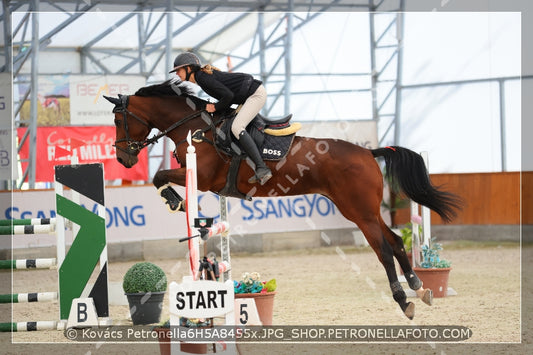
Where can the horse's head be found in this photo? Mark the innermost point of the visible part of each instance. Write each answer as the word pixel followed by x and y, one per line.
pixel 170 107
pixel 131 131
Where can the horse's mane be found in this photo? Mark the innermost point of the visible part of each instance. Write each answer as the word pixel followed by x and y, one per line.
pixel 168 88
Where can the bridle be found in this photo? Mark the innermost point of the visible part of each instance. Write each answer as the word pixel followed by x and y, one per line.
pixel 133 146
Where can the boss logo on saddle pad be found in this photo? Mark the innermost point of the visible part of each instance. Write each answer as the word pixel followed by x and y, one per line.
pixel 276 147
pixel 275 152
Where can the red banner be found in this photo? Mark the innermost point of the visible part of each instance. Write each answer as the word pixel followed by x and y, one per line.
pixel 92 144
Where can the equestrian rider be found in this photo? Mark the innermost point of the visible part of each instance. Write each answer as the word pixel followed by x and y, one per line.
pixel 229 88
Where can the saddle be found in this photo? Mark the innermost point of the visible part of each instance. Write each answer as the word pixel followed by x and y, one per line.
pixel 273 139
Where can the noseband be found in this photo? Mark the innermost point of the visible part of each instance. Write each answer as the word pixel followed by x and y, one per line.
pixel 134 147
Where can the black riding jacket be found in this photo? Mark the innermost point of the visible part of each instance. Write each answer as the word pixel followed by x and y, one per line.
pixel 228 88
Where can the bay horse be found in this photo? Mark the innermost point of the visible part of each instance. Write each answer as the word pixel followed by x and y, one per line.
pixel 345 173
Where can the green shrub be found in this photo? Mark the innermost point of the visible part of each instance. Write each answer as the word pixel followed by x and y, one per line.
pixel 144 277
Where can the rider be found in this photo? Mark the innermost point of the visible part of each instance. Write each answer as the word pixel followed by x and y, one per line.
pixel 229 88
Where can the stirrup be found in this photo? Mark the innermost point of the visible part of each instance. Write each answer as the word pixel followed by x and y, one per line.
pixel 262 178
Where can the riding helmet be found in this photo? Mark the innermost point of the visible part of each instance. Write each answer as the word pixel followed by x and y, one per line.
pixel 185 59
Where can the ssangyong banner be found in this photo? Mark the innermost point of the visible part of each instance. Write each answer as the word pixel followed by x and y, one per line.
pixel 55 146
pixel 137 213
pixel 87 106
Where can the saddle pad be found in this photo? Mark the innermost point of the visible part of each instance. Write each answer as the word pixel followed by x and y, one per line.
pixel 276 147
pixel 287 130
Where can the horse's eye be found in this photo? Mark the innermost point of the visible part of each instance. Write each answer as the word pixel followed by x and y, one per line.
pixel 117 123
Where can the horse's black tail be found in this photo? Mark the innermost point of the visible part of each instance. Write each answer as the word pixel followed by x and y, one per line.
pixel 406 169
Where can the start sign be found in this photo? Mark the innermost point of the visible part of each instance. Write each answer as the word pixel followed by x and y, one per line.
pixel 201 299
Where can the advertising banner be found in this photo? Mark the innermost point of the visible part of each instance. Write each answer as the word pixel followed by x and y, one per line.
pixel 137 213
pixel 7 141
pixel 87 106
pixel 76 99
pixel 362 133
pixel 55 145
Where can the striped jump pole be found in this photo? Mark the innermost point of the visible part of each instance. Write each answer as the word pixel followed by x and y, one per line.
pixel 28 263
pixel 28 326
pixel 27 229
pixel 222 229
pixel 225 241
pixel 217 229
pixel 27 222
pixel 88 248
pixel 28 297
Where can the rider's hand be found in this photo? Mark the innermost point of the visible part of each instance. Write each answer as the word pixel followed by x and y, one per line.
pixel 210 108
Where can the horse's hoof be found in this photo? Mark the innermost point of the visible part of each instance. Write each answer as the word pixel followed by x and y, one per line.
pixel 410 310
pixel 427 297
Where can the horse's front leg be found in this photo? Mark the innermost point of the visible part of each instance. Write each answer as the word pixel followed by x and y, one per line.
pixel 162 180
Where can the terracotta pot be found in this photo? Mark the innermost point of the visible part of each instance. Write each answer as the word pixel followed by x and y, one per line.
pixel 436 279
pixel 164 344
pixel 193 348
pixel 164 340
pixel 264 303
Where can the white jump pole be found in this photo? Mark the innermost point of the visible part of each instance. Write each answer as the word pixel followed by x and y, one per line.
pixel 191 198
pixel 426 212
pixel 417 217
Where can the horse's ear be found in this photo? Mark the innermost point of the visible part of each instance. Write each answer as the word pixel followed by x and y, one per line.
pixel 113 100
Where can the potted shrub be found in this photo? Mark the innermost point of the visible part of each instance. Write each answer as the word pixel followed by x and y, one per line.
pixel 407 238
pixel 263 292
pixel 144 285
pixel 434 271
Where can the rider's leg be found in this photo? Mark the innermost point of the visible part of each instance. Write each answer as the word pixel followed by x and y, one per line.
pixel 248 111
pixel 262 172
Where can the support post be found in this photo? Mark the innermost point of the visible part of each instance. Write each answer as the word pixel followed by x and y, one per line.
pixel 225 238
pixel 191 198
pixel 426 212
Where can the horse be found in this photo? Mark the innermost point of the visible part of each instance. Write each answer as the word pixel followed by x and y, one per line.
pixel 347 174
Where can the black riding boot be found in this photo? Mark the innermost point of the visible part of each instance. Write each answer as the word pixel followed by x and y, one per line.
pixel 262 172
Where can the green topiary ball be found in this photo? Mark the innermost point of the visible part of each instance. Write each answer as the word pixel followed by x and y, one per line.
pixel 144 277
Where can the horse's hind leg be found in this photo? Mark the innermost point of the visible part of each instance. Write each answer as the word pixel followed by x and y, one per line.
pixel 426 295
pixel 361 205
pixel 372 231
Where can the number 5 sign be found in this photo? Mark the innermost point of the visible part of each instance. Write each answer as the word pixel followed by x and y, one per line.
pixel 246 312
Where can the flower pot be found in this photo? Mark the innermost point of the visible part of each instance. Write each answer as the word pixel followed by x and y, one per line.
pixel 264 303
pixel 145 308
pixel 165 341
pixel 193 348
pixel 436 279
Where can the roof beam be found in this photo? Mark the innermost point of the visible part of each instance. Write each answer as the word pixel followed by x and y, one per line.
pixel 281 38
pixel 109 30
pixel 161 44
pixel 21 58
